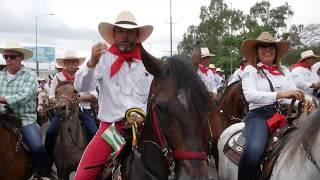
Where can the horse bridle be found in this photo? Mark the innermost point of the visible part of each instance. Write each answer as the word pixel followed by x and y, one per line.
pixel 71 101
pixel 169 154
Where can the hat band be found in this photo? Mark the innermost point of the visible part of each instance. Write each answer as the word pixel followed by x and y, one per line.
pixel 126 22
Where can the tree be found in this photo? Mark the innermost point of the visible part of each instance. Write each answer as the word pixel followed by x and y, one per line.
pixel 222 29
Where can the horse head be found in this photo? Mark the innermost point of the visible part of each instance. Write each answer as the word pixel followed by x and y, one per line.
pixel 177 117
pixel 67 98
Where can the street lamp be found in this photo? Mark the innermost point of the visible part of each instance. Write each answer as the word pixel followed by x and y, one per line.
pixel 37 62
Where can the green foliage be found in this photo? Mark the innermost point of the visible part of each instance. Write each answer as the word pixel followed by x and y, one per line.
pixel 223 29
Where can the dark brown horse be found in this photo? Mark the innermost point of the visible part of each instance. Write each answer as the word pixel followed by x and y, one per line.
pixel 71 140
pixel 13 157
pixel 173 140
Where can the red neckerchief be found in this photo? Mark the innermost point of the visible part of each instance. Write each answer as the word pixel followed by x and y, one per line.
pixel 67 75
pixel 203 69
pixel 122 57
pixel 300 64
pixel 272 69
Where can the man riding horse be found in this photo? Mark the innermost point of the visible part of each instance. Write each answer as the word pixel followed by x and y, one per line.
pixel 122 80
pixel 70 63
pixel 18 90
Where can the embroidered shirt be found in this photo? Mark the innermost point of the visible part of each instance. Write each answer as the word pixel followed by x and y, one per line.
pixel 303 78
pixel 128 88
pixel 256 88
pixel 20 92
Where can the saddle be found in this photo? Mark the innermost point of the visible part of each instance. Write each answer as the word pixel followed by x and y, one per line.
pixel 234 147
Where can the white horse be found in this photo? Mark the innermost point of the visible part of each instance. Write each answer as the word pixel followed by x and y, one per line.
pixel 299 159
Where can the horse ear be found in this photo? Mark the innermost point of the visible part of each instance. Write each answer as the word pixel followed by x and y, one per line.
pixel 152 64
pixel 196 54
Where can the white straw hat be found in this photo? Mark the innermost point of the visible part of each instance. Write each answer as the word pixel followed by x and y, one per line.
pixel 124 20
pixel 307 54
pixel 14 46
pixel 206 53
pixel 69 55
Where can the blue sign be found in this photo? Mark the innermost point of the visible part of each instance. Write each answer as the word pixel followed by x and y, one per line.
pixel 45 54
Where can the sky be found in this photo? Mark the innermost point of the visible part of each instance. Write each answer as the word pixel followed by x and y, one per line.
pixel 74 23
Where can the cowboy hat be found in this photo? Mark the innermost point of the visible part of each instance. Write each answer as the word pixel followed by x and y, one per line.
pixel 124 20
pixel 212 66
pixel 219 70
pixel 206 53
pixel 307 54
pixel 248 46
pixel 69 55
pixel 14 46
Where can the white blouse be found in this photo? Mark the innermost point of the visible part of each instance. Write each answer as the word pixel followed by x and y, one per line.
pixel 209 80
pixel 256 88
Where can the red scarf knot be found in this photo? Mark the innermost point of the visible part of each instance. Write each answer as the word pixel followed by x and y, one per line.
pixel 300 64
pixel 67 75
pixel 203 69
pixel 122 57
pixel 274 69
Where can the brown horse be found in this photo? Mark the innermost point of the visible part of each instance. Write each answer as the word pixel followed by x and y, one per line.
pixel 14 159
pixel 71 140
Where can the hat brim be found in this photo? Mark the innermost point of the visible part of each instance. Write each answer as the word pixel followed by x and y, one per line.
pixel 315 56
pixel 61 64
pixel 208 55
pixel 27 53
pixel 248 47
pixel 106 31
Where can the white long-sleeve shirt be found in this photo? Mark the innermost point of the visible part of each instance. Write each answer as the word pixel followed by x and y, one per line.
pixel 303 78
pixel 209 80
pixel 54 84
pixel 236 76
pixel 256 88
pixel 128 88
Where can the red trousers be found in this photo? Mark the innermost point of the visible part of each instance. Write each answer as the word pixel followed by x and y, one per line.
pixel 96 153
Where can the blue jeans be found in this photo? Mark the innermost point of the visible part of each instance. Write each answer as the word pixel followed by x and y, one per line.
pixel 52 132
pixel 31 135
pixel 256 132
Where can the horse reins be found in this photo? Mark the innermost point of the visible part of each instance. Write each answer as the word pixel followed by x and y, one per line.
pixel 72 101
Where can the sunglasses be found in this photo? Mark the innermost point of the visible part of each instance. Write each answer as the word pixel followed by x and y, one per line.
pixel 267 45
pixel 13 56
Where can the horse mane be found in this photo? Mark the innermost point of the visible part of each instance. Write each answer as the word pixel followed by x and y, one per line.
pixel 180 69
pixel 306 134
pixel 9 121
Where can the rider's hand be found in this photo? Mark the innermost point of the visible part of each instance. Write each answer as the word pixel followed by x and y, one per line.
pixel 3 100
pixel 297 94
pixel 308 105
pixel 97 50
pixel 134 118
